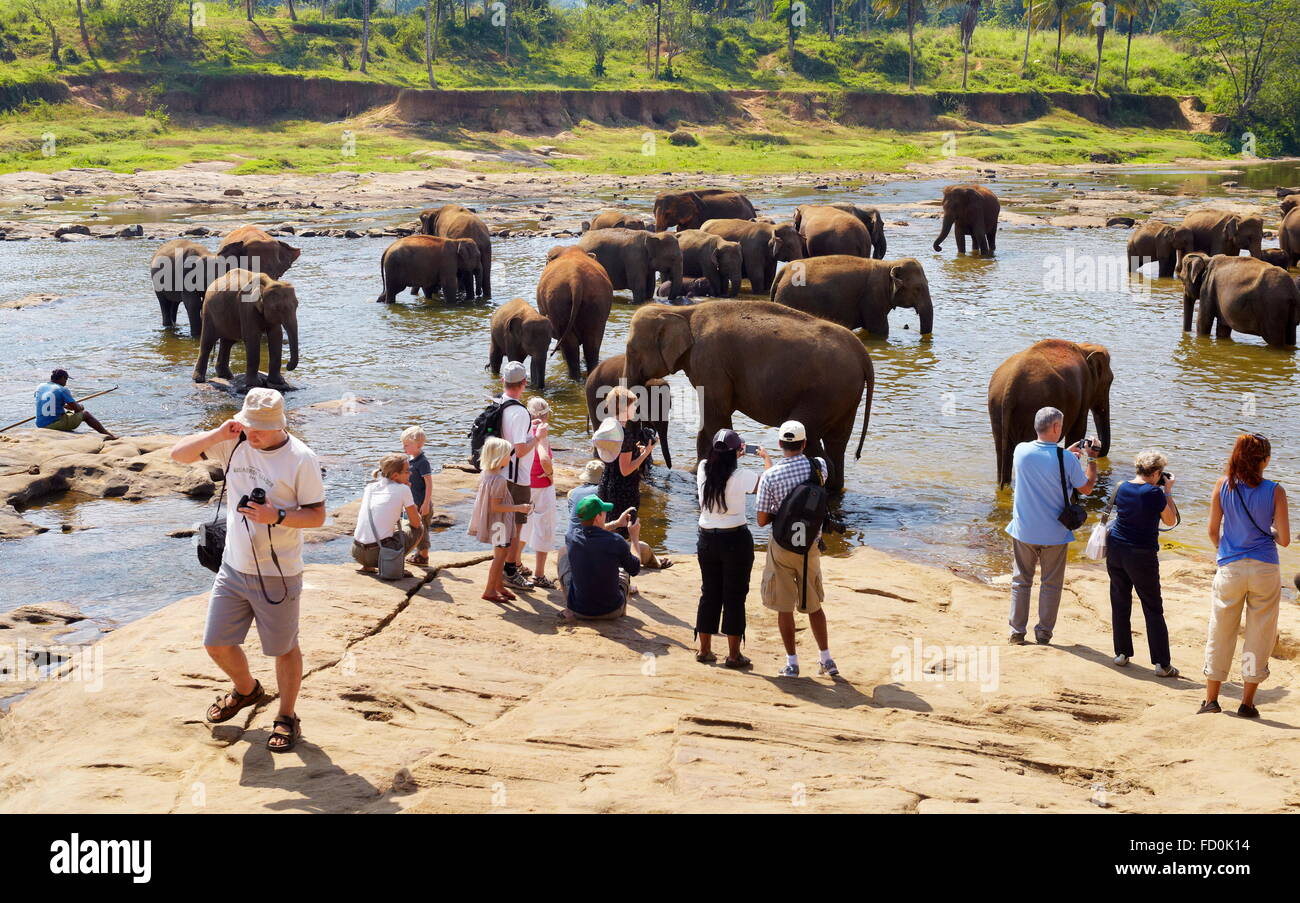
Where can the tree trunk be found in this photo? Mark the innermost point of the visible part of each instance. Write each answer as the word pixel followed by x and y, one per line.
pixel 911 44
pixel 248 5
pixel 365 33
pixel 1060 36
pixel 1155 14
pixel 81 23
pixel 659 11
pixel 506 10
pixel 293 13
pixel 1128 49
pixel 56 46
pixel 1029 29
pixel 1101 37
pixel 428 39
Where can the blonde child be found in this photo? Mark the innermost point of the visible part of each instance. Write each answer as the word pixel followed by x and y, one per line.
pixel 493 518
pixel 539 532
pixel 413 440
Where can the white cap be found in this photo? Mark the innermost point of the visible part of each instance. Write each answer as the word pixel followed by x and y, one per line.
pixel 513 372
pixel 263 410
pixel 792 431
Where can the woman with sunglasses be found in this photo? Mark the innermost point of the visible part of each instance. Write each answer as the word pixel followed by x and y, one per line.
pixel 1248 521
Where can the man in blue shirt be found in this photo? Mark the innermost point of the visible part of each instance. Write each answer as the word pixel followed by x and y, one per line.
pixel 590 485
pixel 56 409
pixel 598 565
pixel 1038 538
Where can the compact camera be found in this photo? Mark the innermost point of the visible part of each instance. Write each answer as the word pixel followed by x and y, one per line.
pixel 1165 476
pixel 257 495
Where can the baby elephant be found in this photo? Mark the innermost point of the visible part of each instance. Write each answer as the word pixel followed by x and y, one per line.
pixel 1276 256
pixel 245 306
pixel 691 288
pixel 518 331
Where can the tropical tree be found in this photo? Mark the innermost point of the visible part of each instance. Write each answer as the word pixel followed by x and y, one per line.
pixel 969 19
pixel 1063 12
pixel 365 33
pixel 1251 38
pixel 593 31
pixel 915 11
pixel 1029 30
pixel 1100 15
pixel 428 38
pixel 81 24
pixel 794 13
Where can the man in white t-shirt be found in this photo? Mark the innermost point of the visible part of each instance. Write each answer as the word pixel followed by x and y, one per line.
pixel 517 429
pixel 261 570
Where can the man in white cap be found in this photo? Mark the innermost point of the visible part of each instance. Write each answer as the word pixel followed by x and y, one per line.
pixel 261 570
pixel 784 584
pixel 517 429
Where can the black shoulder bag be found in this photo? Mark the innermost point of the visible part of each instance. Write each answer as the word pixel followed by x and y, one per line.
pixel 210 538
pixel 1074 515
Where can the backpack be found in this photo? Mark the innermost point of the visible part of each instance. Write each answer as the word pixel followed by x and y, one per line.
pixel 798 522
pixel 486 425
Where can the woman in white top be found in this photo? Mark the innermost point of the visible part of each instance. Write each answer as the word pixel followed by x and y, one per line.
pixel 383 504
pixel 726 547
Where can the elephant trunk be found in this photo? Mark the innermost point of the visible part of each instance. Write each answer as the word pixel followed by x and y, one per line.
pixel 538 377
pixel 291 329
pixel 947 227
pixel 878 243
pixel 1101 419
pixel 675 276
pixel 925 310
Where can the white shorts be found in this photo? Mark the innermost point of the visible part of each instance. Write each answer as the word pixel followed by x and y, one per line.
pixel 539 532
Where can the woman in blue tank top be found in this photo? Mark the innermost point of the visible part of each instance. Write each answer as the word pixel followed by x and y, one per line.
pixel 1248 521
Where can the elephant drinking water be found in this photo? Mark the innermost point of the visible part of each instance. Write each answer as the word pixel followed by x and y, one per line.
pixel 1242 294
pixel 856 292
pixel 518 331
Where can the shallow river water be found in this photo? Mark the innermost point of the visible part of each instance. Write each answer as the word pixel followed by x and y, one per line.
pixel 924 487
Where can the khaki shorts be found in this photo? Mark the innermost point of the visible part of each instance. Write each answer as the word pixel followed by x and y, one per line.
pixel 68 422
pixel 783 577
pixel 237 600
pixel 520 494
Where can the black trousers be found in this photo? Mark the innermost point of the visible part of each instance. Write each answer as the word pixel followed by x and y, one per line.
pixel 1138 569
pixel 726 561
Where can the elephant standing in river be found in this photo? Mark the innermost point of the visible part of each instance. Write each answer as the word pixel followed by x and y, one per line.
pixel 690 209
pixel 841 229
pixel 426 262
pixel 762 245
pixel 1217 232
pixel 813 371
pixel 1073 378
pixel 1157 241
pixel 973 210
pixel 631 258
pixel 517 332
pixel 575 294
pixel 713 258
pixel 1242 294
pixel 654 401
pixel 455 221
pixel 1288 236
pixel 245 306
pixel 250 248
pixel 181 271
pixel 856 292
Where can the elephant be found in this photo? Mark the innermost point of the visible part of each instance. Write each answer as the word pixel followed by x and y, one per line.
pixel 974 210
pixel 1288 236
pixel 632 257
pixel 181 271
pixel 761 246
pixel 426 262
pixel 1285 192
pixel 248 247
pixel 575 294
pixel 243 305
pixel 1217 232
pixel 1289 203
pixel 856 292
pixel 455 221
pixel 841 229
pixel 613 219
pixel 690 209
pixel 1244 294
pixel 1157 241
pixel 1074 378
pixel 691 288
pixel 813 371
pixel 518 331
pixel 1276 256
pixel 714 258
pixel 654 398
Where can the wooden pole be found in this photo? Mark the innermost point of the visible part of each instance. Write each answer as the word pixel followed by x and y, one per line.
pixel 33 417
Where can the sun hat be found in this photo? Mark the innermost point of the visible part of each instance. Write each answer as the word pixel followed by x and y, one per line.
pixel 792 431
pixel 726 440
pixel 513 372
pixel 263 410
pixel 608 439
pixel 593 472
pixel 592 505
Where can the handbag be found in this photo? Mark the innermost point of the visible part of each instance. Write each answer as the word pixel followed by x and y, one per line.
pixel 1097 540
pixel 1074 515
pixel 210 537
pixel 391 551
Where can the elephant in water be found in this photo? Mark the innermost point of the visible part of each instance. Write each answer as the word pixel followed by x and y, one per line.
pixel 181 271
pixel 654 401
pixel 1217 232
pixel 518 331
pixel 427 262
pixel 691 209
pixel 1288 236
pixel 712 258
pixel 631 257
pixel 454 221
pixel 762 246
pixel 813 371
pixel 1154 240
pixel 245 306
pixel 575 294
pixel 856 292
pixel 841 229
pixel 613 219
pixel 1242 294
pixel 973 210
pixel 1073 378
pixel 250 248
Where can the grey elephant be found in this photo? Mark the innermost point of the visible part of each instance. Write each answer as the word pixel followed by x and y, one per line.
pixel 429 263
pixel 632 257
pixel 251 248
pixel 856 292
pixel 973 211
pixel 613 219
pixel 713 258
pixel 1154 240
pixel 1219 232
pixel 841 229
pixel 1241 294
pixel 518 331
pixel 181 271
pixel 246 306
pixel 762 245
pixel 453 221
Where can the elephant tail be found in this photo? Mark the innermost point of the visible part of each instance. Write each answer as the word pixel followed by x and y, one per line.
pixel 866 413
pixel 1002 439
pixel 568 327
pixel 383 272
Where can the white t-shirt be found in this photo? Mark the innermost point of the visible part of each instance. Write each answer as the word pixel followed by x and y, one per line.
pixel 387 499
pixel 517 427
pixel 742 482
pixel 291 477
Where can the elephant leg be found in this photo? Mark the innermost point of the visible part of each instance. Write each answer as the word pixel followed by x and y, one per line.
pixel 570 351
pixel 223 358
pixel 274 343
pixel 834 449
pixel 716 415
pixel 637 280
pixel 961 240
pixel 485 275
pixel 252 356
pixel 495 356
pixel 1222 329
pixel 1188 306
pixel 1205 317
pixel 992 237
pixel 591 349
pixel 168 309
pixel 194 310
pixel 206 342
pixel 1077 430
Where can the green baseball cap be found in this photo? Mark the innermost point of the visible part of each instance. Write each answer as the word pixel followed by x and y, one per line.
pixel 589 507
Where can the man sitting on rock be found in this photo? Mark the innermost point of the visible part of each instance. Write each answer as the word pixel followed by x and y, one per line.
pixel 598 565
pixel 56 409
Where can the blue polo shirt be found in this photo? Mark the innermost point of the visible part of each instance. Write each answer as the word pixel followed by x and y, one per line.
pixel 1037 495
pixel 595 556
pixel 50 401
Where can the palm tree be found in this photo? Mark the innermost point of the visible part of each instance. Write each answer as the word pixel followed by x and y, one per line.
pixel 915 10
pixel 365 33
pixel 1132 8
pixel 1099 20
pixel 428 38
pixel 1063 11
pixel 969 20
pixel 1029 29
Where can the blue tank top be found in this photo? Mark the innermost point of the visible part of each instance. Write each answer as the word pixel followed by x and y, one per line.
pixel 1240 538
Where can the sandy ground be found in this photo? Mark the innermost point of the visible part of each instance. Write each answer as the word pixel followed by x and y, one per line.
pixel 419 696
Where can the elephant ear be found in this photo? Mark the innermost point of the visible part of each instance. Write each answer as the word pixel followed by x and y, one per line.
pixel 1230 228
pixel 428 221
pixel 288 254
pixel 233 249
pixel 896 274
pixel 1192 269
pixel 556 252
pixel 798 217
pixel 465 252
pixel 675 339
pixel 1097 357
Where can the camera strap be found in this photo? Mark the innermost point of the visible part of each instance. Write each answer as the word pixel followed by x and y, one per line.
pixel 275 558
pixel 225 476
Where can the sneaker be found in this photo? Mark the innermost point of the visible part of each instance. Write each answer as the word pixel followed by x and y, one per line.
pixel 1166 671
pixel 1247 711
pixel 788 671
pixel 1043 639
pixel 1121 660
pixel 1016 639
pixel 828 667
pixel 518 581
pixel 1209 708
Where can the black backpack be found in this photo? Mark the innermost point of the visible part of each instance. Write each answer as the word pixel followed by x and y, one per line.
pixel 798 522
pixel 486 425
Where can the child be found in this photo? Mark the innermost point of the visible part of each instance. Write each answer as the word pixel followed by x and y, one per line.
pixel 413 440
pixel 539 532
pixel 493 518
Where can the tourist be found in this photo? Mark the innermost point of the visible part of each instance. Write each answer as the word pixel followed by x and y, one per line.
pixel 792 580
pixel 621 484
pixel 1133 560
pixel 592 471
pixel 725 547
pixel 56 409
pixel 379 519
pixel 413 440
pixel 1248 521
pixel 539 532
pixel 258 453
pixel 518 429
pixel 494 519
pixel 598 565
pixel 1038 538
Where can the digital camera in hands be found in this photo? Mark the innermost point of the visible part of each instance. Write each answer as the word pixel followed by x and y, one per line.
pixel 257 495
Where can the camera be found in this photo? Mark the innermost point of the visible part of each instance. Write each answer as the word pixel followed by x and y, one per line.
pixel 751 448
pixel 257 495
pixel 648 435
pixel 1166 476
pixel 1087 444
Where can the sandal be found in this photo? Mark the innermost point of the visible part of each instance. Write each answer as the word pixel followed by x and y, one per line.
pixel 544 582
pixel 419 560
pixel 705 658
pixel 221 710
pixel 493 597
pixel 506 595
pixel 665 563
pixel 286 738
pixel 739 663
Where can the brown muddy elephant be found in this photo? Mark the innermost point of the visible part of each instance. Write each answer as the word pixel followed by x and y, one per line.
pixel 690 209
pixel 813 371
pixel 614 219
pixel 455 221
pixel 1073 378
pixel 973 210
pixel 632 257
pixel 426 262
pixel 841 229
pixel 713 258
pixel 856 292
pixel 654 400
pixel 762 245
pixel 248 247
pixel 1289 203
pixel 1275 256
pixel 1157 241
pixel 245 306
pixel 698 287
pixel 1218 232
pixel 575 294
pixel 518 331
pixel 1288 237
pixel 1243 294
pixel 181 271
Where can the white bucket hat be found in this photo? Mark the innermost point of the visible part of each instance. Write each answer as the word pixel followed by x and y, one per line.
pixel 608 439
pixel 263 410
